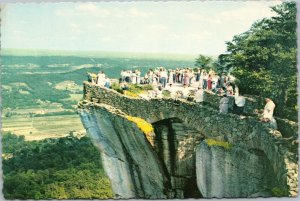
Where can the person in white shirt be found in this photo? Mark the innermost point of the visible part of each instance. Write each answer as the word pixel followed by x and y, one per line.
pixel 101 79
pixel 171 75
pixel 133 77
pixel 138 76
pixel 267 115
pixel 268 110
pixel 199 95
pixel 239 101
pixel 163 77
pixel 185 91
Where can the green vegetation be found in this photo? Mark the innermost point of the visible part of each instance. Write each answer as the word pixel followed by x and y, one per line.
pixel 263 59
pixel 166 94
pixel 63 168
pixel 213 142
pixel 133 89
pixel 203 62
pixel 278 192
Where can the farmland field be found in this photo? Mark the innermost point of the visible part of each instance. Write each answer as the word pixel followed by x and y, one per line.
pixel 38 128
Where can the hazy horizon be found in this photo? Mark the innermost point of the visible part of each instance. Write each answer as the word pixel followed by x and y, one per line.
pixel 98 53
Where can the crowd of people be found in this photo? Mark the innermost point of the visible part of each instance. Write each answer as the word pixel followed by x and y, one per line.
pixel 186 76
pixel 184 83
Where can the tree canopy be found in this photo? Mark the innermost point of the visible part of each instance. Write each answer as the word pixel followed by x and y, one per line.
pixel 63 168
pixel 203 61
pixel 263 59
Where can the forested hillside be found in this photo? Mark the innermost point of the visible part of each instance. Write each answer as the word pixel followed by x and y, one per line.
pixel 63 168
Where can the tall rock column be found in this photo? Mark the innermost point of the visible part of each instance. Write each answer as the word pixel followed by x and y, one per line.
pixel 129 160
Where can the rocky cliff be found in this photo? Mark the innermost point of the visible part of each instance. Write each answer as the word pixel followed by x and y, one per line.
pixel 161 149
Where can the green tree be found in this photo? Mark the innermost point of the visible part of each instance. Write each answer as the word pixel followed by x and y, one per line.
pixel 264 58
pixel 203 61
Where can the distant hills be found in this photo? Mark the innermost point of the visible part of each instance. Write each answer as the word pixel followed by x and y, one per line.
pixel 99 54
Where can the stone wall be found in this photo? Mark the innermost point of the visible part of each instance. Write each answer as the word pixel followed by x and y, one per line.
pixel 176 155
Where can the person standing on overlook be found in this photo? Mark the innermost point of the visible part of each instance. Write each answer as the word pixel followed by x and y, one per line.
pixel 101 78
pixel 171 75
pixel 199 95
pixel 204 79
pixel 209 79
pixel 186 78
pixel 224 104
pixel 267 115
pixel 163 77
pixel 223 80
pixel 268 110
pixel 239 101
pixel 138 76
pixel 133 77
pixel 198 73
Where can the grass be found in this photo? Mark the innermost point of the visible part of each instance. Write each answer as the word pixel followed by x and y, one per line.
pixel 212 142
pixel 38 128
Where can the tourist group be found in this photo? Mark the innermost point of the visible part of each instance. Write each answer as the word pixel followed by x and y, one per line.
pixel 186 83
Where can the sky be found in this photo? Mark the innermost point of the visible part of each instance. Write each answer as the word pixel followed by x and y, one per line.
pixel 195 27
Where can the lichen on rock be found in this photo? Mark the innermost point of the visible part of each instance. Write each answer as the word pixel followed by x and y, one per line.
pixel 213 142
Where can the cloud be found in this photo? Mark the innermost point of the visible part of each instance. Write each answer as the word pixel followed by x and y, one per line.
pixel 90 8
pixel 83 9
pixel 247 14
pixel 75 28
pixel 99 25
pixel 64 12
pixel 87 7
pixel 158 27
pixel 134 12
pixel 252 11
pixel 202 18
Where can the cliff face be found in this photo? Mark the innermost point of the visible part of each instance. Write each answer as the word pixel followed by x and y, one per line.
pixel 175 159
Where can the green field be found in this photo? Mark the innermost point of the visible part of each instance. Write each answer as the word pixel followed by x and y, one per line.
pixel 38 128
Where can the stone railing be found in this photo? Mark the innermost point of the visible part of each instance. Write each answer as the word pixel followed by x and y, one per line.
pixel 93 92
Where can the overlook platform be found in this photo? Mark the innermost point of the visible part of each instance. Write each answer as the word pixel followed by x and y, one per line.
pixel 192 150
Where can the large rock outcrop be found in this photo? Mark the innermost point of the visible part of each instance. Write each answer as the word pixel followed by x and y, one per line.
pixel 233 172
pixel 174 160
